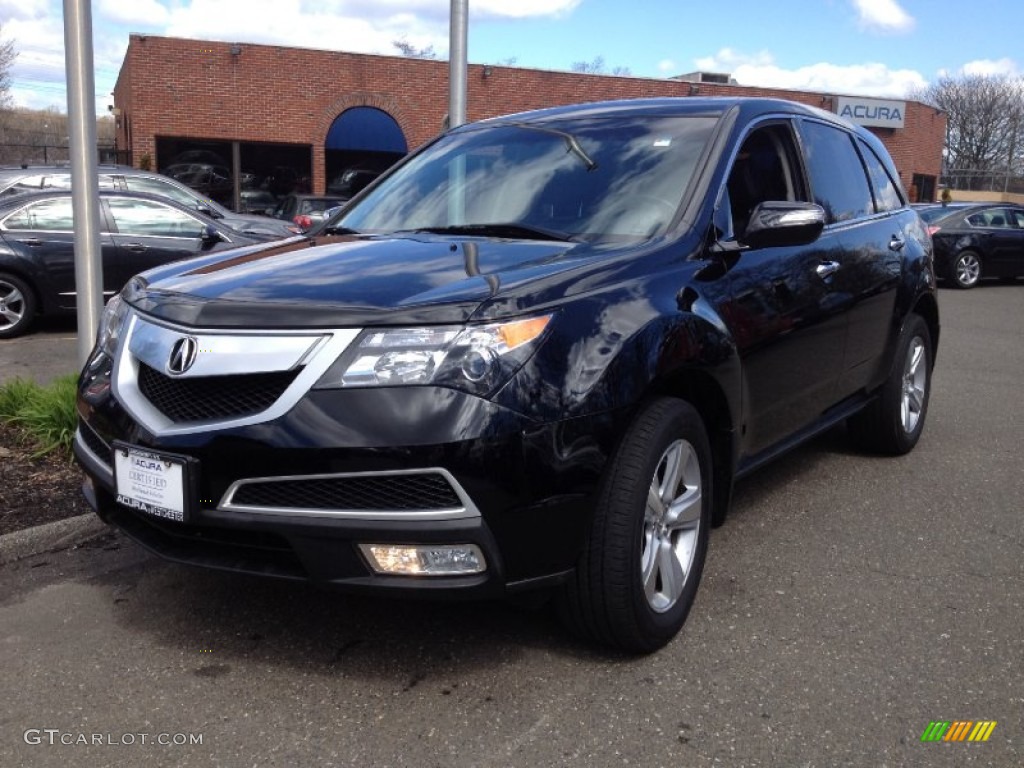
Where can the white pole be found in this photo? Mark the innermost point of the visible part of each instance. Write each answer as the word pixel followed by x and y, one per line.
pixel 85 198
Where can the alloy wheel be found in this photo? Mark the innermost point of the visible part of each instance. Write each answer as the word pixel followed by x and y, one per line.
pixel 672 522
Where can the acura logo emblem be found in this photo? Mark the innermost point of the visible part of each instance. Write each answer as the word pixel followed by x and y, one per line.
pixel 183 354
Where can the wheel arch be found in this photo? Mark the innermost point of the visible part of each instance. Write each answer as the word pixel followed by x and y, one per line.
pixel 29 280
pixel 928 308
pixel 707 396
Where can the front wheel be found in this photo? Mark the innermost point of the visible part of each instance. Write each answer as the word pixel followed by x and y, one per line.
pixel 639 572
pixel 893 423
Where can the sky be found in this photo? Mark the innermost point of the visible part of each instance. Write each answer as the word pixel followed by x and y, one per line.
pixel 879 48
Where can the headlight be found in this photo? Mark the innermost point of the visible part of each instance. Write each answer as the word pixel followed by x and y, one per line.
pixel 475 359
pixel 110 325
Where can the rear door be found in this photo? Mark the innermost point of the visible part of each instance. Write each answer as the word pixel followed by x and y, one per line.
pixel 44 231
pixel 1006 255
pixel 148 233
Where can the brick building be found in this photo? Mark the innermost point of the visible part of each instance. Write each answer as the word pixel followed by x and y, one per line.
pixel 305 116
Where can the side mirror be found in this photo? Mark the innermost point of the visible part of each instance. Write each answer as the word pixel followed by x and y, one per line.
pixel 781 223
pixel 211 236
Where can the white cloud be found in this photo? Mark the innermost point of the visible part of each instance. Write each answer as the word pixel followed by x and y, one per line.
pixel 988 67
pixel 21 9
pixel 883 16
pixel 667 66
pixel 760 69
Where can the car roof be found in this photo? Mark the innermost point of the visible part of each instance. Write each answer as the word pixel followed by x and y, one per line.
pixel 49 194
pixel 668 106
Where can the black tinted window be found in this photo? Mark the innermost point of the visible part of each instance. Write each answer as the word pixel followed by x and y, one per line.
pixel 887 196
pixel 837 175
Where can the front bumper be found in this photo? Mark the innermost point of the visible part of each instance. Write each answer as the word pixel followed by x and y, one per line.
pixel 520 491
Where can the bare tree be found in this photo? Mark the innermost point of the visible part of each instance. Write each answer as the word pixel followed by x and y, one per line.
pixel 408 49
pixel 985 118
pixel 8 53
pixel 596 66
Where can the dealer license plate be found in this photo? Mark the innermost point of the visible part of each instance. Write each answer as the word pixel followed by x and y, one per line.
pixel 150 482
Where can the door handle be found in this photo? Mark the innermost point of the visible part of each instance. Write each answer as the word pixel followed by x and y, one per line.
pixel 897 243
pixel 827 269
pixel 31 241
pixel 135 247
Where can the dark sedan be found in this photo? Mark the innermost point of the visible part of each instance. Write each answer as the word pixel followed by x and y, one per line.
pixel 37 241
pixel 979 241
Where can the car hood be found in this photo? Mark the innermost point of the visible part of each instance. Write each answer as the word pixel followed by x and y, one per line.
pixel 362 280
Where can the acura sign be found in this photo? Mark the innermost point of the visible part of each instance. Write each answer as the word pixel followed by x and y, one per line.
pixel 876 113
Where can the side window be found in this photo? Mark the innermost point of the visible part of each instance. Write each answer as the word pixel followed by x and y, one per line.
pixel 887 196
pixel 1018 218
pixel 46 215
pixel 161 188
pixel 63 181
pixel 764 170
pixel 837 175
pixel 26 184
pixel 144 217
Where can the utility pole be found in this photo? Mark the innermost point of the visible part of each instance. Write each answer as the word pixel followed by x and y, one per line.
pixel 457 66
pixel 85 193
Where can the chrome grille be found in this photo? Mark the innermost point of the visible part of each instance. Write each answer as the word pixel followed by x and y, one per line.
pixel 399 492
pixel 210 398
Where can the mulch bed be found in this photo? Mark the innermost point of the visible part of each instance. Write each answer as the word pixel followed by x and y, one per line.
pixel 39 490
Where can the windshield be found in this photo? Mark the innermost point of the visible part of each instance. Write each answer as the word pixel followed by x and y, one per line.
pixel 586 179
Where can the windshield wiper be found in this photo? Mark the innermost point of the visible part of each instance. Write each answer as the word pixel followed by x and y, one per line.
pixel 498 229
pixel 338 230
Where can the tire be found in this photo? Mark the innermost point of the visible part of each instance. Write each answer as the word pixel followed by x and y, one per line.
pixel 894 422
pixel 17 306
pixel 644 552
pixel 966 269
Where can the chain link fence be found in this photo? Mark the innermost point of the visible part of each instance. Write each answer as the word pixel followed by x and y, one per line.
pixel 974 180
pixel 54 154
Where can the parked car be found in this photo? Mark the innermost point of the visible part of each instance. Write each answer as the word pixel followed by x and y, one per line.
pixel 15 181
pixel 138 231
pixel 350 183
pixel 977 241
pixel 535 356
pixel 211 181
pixel 304 211
pixel 258 201
pixel 929 212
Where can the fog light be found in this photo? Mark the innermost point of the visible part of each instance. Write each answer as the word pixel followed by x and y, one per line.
pixel 425 560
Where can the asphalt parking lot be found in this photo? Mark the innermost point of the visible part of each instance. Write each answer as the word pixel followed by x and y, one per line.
pixel 848 602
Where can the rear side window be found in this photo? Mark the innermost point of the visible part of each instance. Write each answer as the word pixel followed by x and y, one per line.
pixel 887 196
pixel 161 188
pixel 836 172
pixel 46 215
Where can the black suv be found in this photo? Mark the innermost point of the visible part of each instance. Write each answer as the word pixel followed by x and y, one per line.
pixel 536 355
pixel 18 180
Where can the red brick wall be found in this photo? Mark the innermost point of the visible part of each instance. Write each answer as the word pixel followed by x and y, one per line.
pixel 194 89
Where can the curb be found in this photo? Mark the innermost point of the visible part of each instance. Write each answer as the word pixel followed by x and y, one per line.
pixel 50 537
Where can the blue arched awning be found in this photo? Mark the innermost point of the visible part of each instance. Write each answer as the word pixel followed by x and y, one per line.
pixel 366 129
